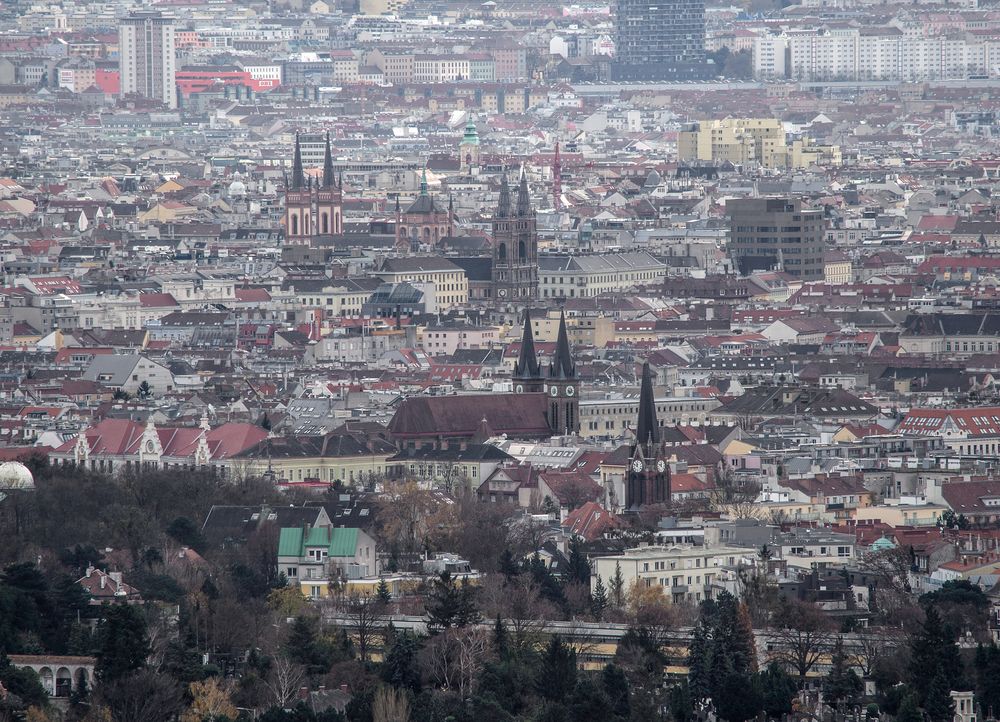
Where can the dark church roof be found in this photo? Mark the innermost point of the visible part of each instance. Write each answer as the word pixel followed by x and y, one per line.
pixel 517 415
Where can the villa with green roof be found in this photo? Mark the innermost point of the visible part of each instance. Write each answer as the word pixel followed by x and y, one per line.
pixel 316 557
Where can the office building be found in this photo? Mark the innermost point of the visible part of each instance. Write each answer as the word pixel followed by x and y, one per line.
pixel 768 233
pixel 147 58
pixel 659 40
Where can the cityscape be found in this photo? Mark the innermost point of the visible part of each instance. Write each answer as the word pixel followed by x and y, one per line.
pixel 502 361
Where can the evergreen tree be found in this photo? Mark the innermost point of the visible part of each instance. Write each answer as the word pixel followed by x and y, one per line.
pixel 616 688
pixel 908 710
pixel 508 565
pixel 501 643
pixel 681 706
pixel 777 691
pixel 699 661
pixel 450 605
pixel 579 568
pixel 124 644
pixel 988 678
pixel 382 591
pixel 617 587
pixel 557 673
pixel 399 666
pixel 842 686
pixel 737 698
pixel 599 600
pixel 938 704
pixel 930 647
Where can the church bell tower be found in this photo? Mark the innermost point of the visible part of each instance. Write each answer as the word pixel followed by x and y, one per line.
pixel 563 386
pixel 647 478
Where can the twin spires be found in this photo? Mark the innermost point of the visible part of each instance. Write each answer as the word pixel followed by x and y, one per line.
pixel 523 207
pixel 299 180
pixel 647 433
pixel 561 366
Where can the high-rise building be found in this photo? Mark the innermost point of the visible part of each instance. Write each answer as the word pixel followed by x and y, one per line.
pixel 147 57
pixel 768 233
pixel 659 40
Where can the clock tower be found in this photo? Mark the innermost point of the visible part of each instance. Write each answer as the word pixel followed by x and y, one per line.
pixel 563 386
pixel 527 376
pixel 648 474
pixel 515 246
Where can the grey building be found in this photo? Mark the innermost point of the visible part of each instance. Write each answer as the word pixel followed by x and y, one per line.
pixel 768 233
pixel 659 40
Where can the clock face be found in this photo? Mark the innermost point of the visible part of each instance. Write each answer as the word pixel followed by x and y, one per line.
pixel 661 465
pixel 570 391
pixel 149 446
pixel 519 389
pixel 637 466
pixel 502 292
pixel 554 391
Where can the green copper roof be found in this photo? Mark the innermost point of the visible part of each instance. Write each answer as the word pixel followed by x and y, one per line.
pixel 471 134
pixel 338 542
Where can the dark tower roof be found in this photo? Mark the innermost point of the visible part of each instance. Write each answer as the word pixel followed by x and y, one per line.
pixel 562 366
pixel 329 181
pixel 503 204
pixel 523 199
pixel 527 362
pixel 647 433
pixel 298 176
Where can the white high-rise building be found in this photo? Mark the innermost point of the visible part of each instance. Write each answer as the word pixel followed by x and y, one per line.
pixel 147 57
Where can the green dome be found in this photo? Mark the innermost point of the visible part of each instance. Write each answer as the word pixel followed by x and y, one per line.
pixel 471 134
pixel 881 544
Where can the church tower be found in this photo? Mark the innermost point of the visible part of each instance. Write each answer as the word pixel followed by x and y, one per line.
pixel 330 198
pixel 298 203
pixel 468 149
pixel 647 478
pixel 563 386
pixel 515 245
pixel 527 375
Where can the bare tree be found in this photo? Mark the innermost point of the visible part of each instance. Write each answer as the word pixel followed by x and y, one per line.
pixel 805 635
pixel 454 658
pixel 870 647
pixel 367 619
pixel 893 598
pixel 284 680
pixel 390 705
pixel 144 696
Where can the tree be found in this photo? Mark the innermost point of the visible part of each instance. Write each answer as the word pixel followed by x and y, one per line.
pixel 842 686
pixel 265 422
pixel 599 600
pixel 449 604
pixel 123 644
pixel 617 587
pixel 737 698
pixel 184 531
pixel 399 665
pixel 121 395
pixel 209 701
pixel 578 571
pixel 804 637
pixel 382 592
pixel 938 704
pixel 908 711
pixel 142 696
pixel 777 690
pixel 21 682
pixel 933 647
pixel 616 688
pixel 145 390
pixel 557 671
pixel 367 615
pixel 987 663
pixel 284 680
pixel 390 705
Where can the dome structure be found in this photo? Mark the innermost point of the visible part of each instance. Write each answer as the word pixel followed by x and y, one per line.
pixel 15 476
pixel 237 189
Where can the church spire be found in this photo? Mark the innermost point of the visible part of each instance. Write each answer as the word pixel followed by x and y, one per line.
pixel 423 182
pixel 523 199
pixel 503 204
pixel 647 433
pixel 298 176
pixel 562 366
pixel 329 181
pixel 527 362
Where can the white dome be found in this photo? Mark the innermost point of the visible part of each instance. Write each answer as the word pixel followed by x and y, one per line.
pixel 237 189
pixel 15 476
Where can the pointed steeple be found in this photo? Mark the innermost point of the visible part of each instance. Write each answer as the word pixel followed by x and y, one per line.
pixel 562 366
pixel 527 361
pixel 298 176
pixel 328 177
pixel 503 204
pixel 423 182
pixel 523 199
pixel 647 433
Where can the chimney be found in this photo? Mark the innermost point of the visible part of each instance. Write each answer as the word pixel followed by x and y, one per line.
pixel 344 688
pixel 104 581
pixel 303 693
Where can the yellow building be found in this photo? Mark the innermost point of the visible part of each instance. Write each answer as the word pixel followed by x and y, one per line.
pixel 451 285
pixel 750 140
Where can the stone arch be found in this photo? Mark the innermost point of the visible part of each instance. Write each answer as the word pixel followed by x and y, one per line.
pixel 502 253
pixel 295 224
pixel 48 680
pixel 64 682
pixel 81 678
pixel 522 251
pixel 427 234
pixel 324 222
